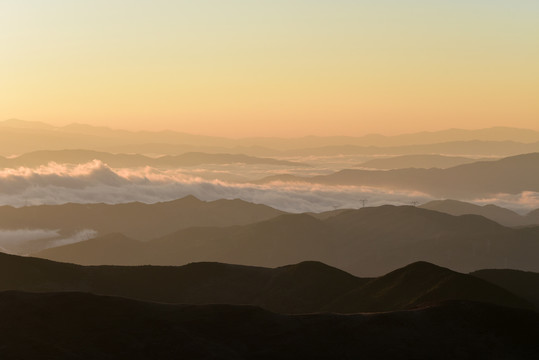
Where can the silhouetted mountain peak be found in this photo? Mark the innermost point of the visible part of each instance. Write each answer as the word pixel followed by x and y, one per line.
pixel 316 269
pixel 418 269
pixel 189 199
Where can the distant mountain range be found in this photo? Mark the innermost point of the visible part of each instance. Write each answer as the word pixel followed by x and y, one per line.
pixel 508 175
pixel 496 213
pixel 17 136
pixel 301 288
pixel 137 220
pixel 90 327
pixel 43 157
pixel 368 241
pixel 416 161
pixel 455 148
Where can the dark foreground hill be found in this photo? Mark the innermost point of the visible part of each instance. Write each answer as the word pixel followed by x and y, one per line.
pixel 521 283
pixel 365 242
pixel 137 220
pixel 78 325
pixel 300 288
pixel 510 175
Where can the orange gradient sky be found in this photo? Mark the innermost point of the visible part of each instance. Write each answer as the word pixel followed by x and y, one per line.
pixel 280 67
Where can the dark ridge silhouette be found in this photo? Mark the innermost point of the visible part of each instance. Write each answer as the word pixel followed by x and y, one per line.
pixel 420 283
pixel 89 326
pixel 77 156
pixel 499 214
pixel 423 161
pixel 365 242
pixel 509 175
pixel 521 283
pixel 137 220
pixel 301 288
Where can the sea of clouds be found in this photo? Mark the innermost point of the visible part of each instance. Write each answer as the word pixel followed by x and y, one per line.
pixel 95 182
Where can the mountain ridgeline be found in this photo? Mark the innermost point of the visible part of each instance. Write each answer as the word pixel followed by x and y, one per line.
pixel 18 137
pixel 301 288
pixel 137 220
pixel 365 242
pixel 510 175
pixel 38 158
pixel 423 161
pixel 499 214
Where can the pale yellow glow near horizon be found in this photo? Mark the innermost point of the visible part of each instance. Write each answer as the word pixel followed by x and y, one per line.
pixel 264 68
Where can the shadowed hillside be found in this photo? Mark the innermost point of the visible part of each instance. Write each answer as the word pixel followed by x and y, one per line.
pixel 420 283
pixel 136 220
pixel 521 283
pixel 367 242
pixel 300 288
pixel 495 213
pixel 305 287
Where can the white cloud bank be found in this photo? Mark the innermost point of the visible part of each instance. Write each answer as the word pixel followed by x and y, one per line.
pixel 26 241
pixel 11 241
pixel 96 182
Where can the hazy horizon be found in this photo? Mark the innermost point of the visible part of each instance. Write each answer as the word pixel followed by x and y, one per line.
pixel 279 68
pixel 29 123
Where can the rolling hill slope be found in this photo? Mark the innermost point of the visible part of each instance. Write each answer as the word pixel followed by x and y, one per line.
pixel 499 214
pixel 301 288
pixel 521 283
pixel 138 220
pixel 366 242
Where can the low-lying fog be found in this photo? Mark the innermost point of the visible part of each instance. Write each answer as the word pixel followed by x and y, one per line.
pixel 96 182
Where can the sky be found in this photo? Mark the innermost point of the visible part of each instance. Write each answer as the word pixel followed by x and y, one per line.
pixel 271 68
